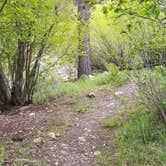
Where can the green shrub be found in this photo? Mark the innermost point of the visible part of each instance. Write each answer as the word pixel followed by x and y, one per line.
pixel 152 90
pixel 114 77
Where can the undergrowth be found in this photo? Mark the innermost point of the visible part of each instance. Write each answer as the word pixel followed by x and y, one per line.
pixel 139 139
pixel 79 87
pixel 138 136
pixel 3 154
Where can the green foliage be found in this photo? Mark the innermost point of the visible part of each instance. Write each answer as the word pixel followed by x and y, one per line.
pixel 19 150
pixel 3 154
pixel 133 33
pixel 114 77
pixel 138 140
pixel 81 108
pixel 79 87
pixel 152 89
pixel 67 89
pixel 116 121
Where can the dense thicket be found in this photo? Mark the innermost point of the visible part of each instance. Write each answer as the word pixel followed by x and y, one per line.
pixel 28 30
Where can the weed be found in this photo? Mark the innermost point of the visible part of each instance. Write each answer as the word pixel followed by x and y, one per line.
pixel 112 122
pixel 140 139
pixel 19 150
pixel 81 108
pixel 3 154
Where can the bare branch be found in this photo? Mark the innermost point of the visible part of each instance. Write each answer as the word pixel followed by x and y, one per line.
pixel 3 6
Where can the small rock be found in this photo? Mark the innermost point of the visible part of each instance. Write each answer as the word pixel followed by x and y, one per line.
pixel 58 135
pixel 93 147
pixel 25 108
pixel 52 136
pixel 55 104
pixel 91 77
pixel 97 153
pixel 104 145
pixel 81 139
pixel 64 145
pixel 50 111
pixel 86 154
pixel 37 140
pixel 91 95
pixel 32 114
pixel 87 130
pixel 105 73
pixel 118 93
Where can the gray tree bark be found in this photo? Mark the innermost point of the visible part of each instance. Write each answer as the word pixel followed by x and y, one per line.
pixel 84 61
pixel 4 90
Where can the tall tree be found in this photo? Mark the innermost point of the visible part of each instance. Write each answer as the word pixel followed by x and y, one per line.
pixel 4 90
pixel 84 62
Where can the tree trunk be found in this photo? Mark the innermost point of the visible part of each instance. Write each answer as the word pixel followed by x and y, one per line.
pixel 84 62
pixel 18 82
pixel 4 91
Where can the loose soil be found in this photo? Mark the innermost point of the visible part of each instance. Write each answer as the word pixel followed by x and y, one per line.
pixel 78 139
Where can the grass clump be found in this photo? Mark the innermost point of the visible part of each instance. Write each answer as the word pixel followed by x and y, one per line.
pixel 81 108
pixel 140 140
pixel 112 122
pixel 3 154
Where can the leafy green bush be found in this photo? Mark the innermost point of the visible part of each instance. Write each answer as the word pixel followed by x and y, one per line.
pixel 114 77
pixel 152 90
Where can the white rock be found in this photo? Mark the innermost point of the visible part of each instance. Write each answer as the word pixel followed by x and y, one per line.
pixel 118 93
pixel 37 140
pixel 32 114
pixel 58 135
pixel 82 139
pixel 52 135
pixel 91 77
pixel 91 95
pixel 111 104
pixel 97 153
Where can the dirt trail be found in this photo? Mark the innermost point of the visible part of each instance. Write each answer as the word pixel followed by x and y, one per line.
pixel 81 143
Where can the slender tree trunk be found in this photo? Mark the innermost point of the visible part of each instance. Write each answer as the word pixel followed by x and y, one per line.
pixel 4 90
pixel 84 62
pixel 18 82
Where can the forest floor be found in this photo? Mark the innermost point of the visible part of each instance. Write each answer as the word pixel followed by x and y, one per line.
pixel 55 133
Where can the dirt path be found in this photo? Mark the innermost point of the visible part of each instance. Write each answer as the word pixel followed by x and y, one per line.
pixel 81 143
pixel 78 143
